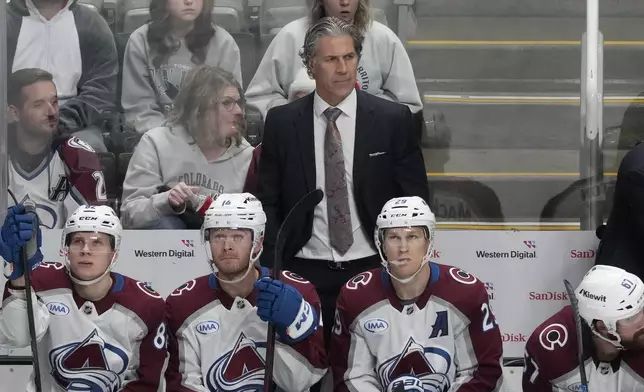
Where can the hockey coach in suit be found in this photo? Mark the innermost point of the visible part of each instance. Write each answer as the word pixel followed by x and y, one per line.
pixel 359 149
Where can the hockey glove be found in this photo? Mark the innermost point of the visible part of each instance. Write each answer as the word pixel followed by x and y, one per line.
pixel 16 232
pixel 281 304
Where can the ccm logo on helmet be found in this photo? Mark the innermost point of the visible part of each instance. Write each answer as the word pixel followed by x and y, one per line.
pixel 553 335
pixel 88 218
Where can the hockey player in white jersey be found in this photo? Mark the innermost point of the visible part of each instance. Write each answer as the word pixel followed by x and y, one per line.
pixel 414 325
pixel 611 304
pixel 97 330
pixel 218 322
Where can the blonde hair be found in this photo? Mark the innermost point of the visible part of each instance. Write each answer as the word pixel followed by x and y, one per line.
pixel 362 18
pixel 197 96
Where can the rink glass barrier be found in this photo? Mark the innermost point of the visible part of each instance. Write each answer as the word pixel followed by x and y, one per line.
pixel 504 136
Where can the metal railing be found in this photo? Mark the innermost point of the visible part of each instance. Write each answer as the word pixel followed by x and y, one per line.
pixel 592 104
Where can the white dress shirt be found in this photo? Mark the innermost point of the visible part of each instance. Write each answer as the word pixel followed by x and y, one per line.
pixel 319 246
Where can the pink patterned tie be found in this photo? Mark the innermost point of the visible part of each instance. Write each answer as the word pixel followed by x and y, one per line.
pixel 337 195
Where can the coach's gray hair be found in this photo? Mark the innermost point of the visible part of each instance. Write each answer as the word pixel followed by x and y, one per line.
pixel 329 26
pixel 362 18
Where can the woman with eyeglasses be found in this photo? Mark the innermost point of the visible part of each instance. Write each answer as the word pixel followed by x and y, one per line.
pixel 201 151
pixel 180 36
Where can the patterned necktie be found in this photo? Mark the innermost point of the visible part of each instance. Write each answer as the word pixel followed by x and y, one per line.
pixel 337 195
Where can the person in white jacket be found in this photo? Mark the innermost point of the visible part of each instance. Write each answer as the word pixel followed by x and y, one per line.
pixel 384 69
pixel 200 150
pixel 159 55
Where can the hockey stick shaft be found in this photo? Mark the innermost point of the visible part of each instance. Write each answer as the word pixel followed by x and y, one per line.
pixel 574 304
pixel 293 219
pixel 28 290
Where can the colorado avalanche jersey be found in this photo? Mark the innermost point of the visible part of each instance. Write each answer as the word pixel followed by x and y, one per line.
pixel 447 337
pixel 218 343
pixel 551 362
pixel 116 344
pixel 67 178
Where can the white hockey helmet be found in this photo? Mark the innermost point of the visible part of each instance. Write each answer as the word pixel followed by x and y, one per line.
pixel 405 212
pixel 235 211
pixel 92 219
pixel 609 294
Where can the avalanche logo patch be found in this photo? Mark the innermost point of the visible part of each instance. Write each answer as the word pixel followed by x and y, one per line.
pixel 429 364
pixel 240 369
pixel 92 365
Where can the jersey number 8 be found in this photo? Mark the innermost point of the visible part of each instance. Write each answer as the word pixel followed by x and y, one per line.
pixel 161 339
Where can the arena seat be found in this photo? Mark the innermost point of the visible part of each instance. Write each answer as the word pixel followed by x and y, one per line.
pixel 276 14
pixel 246 44
pixel 131 14
pixel 96 5
pixel 229 14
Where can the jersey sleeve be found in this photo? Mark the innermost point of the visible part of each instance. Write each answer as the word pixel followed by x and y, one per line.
pixel 533 380
pixel 351 361
pixel 152 352
pixel 184 366
pixel 299 366
pixel 85 175
pixel 478 347
pixel 14 325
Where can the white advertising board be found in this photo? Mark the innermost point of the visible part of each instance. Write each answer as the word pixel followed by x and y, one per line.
pixel 523 271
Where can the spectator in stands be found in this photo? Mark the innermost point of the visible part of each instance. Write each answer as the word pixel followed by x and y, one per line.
pixel 57 172
pixel 74 44
pixel 200 150
pixel 384 68
pixel 159 54
pixel 359 149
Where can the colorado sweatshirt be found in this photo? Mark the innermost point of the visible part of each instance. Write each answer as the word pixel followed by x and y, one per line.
pixel 168 155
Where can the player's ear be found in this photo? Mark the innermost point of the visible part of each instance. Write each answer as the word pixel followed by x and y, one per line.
pixel 12 114
pixel 600 326
pixel 258 246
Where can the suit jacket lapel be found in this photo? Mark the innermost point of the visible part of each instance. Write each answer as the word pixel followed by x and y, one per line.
pixel 364 126
pixel 303 124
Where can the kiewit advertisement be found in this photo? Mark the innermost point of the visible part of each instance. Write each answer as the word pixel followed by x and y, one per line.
pixel 523 272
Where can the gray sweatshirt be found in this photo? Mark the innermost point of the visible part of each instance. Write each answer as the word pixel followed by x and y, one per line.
pixel 384 69
pixel 148 93
pixel 167 156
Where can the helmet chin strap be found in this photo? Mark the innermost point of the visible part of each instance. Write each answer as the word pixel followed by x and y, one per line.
pixel 90 282
pixel 617 344
pixel 406 280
